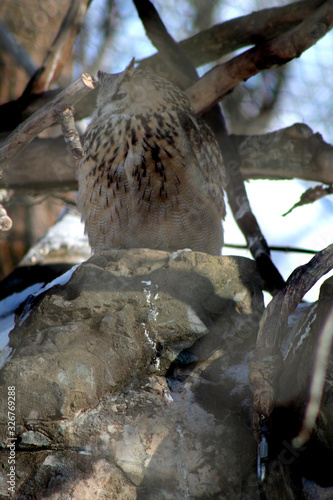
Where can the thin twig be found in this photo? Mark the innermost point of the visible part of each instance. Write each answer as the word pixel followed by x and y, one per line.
pixel 311 195
pixel 274 249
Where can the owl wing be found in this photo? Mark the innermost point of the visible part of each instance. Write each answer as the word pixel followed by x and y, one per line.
pixel 207 156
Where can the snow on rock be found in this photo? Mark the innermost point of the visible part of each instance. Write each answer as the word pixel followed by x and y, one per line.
pixel 65 241
pixel 63 245
pixel 10 304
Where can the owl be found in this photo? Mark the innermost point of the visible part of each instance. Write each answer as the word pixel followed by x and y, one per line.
pixel 151 175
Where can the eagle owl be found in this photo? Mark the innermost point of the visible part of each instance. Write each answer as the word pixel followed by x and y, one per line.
pixel 151 174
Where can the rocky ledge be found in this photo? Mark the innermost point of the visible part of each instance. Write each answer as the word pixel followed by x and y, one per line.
pixel 131 380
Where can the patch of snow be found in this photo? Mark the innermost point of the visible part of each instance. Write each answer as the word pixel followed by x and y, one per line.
pixel 176 254
pixel 150 300
pixel 66 234
pixel 7 318
pixel 150 340
pixel 12 302
pixel 60 280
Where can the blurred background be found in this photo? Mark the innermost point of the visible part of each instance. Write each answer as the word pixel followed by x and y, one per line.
pixel 301 91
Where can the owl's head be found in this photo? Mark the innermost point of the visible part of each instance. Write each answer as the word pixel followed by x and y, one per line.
pixel 129 90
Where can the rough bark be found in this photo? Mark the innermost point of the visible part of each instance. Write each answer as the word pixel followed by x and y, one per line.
pixel 288 153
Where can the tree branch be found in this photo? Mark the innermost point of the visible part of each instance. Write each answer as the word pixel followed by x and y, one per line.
pixel 59 52
pixel 289 153
pixel 176 63
pixel 274 248
pixel 13 113
pixel 45 117
pixel 310 196
pixel 215 84
pixel 221 39
pixel 29 170
pixel 266 360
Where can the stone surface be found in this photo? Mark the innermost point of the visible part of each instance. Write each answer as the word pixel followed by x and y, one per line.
pixel 131 380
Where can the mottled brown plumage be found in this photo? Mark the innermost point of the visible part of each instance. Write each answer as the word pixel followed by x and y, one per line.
pixel 151 174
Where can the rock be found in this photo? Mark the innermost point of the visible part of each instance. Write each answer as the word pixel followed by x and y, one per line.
pixel 131 380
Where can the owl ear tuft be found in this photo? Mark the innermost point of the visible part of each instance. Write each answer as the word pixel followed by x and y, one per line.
pixel 100 74
pixel 128 71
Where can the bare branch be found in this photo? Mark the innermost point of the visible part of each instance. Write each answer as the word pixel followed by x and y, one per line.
pixel 266 360
pixel 215 84
pixel 221 39
pixel 59 52
pixel 176 63
pixel 274 248
pixel 246 220
pixel 13 113
pixel 45 117
pixel 289 153
pixel 30 171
